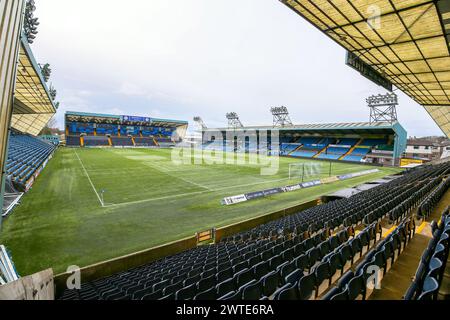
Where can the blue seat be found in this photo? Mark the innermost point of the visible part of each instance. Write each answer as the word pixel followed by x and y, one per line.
pixel 430 289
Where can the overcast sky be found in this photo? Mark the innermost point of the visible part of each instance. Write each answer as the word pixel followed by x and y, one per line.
pixel 183 58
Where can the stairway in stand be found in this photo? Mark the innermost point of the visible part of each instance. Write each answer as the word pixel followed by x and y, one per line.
pixel 321 151
pixel 296 149
pixel 349 152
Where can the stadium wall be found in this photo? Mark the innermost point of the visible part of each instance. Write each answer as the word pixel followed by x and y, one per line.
pixel 38 286
pixel 110 267
pixel 11 16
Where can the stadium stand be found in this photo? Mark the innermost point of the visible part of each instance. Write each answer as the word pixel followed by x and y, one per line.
pixel 309 141
pixel 304 152
pixel 102 130
pixel 296 257
pixel 354 285
pixel 107 129
pixel 357 154
pixel 430 272
pixel 348 141
pixel 373 142
pixel 86 128
pixel 381 143
pixel 96 141
pixel 287 148
pixel 50 139
pixel 122 141
pixel 395 22
pixel 433 198
pixel 334 152
pixel 72 141
pixel 25 156
pixel 162 140
pixel 287 140
pixel 348 149
pixel 144 142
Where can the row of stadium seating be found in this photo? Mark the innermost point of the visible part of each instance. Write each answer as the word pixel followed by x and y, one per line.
pixel 298 256
pixel 144 142
pixel 428 278
pixel 433 198
pixel 348 149
pixel 313 220
pixel 247 147
pixel 77 128
pixel 73 141
pixel 122 141
pixel 104 141
pixel 333 153
pixel 26 155
pixel 348 141
pixel 357 154
pixel 354 285
pixel 421 191
pixel 96 141
pixel 330 148
pixel 304 153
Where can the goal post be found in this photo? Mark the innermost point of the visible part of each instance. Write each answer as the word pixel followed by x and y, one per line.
pixel 296 170
pixel 305 170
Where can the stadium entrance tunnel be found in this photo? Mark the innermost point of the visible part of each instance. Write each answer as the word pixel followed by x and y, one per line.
pixel 330 198
pixel 349 192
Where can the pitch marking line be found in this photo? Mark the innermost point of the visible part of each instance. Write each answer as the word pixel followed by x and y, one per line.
pixel 191 193
pixel 171 175
pixel 178 177
pixel 89 178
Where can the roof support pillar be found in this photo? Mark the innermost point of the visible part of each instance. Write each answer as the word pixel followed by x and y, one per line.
pixel 11 15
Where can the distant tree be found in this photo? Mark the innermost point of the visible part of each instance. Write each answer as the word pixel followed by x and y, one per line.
pixel 51 128
pixel 46 71
pixel 30 22
pixel 52 92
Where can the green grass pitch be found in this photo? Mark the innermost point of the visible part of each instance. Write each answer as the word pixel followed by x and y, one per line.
pixel 148 199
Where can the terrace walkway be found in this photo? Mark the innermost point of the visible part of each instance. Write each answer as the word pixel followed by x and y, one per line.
pixel 399 278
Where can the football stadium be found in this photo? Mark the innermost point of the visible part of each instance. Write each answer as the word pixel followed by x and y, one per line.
pixel 138 207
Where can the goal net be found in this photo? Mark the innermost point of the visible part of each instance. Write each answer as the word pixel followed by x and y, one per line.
pixel 304 171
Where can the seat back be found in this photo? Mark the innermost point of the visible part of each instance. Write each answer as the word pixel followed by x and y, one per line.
pixel 301 262
pixel 243 277
pixel 332 292
pixel 343 295
pixel 269 283
pixel 307 286
pixel 252 291
pixel 322 272
pixel 430 288
pixel 434 267
pixel 294 276
pixel 356 287
pixel 206 283
pixel 224 275
pixel 225 287
pixel 287 292
pixel 209 294
pixel 186 293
